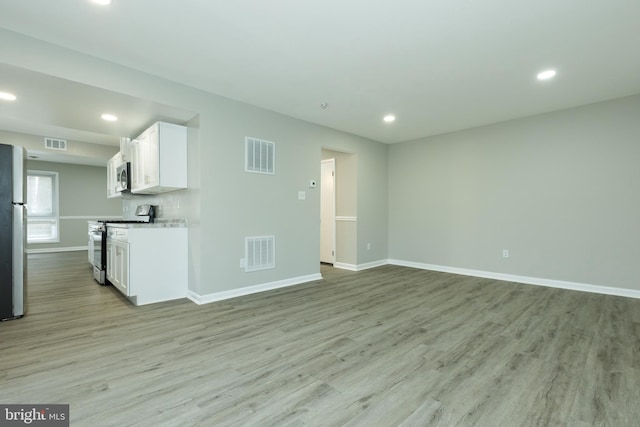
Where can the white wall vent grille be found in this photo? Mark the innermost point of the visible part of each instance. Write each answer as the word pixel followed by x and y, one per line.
pixel 260 156
pixel 55 144
pixel 260 253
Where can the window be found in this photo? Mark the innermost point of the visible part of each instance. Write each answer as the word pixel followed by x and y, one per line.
pixel 42 207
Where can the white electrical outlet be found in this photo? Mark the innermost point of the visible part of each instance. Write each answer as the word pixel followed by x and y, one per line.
pixel 302 195
pixel 505 253
pixel 243 262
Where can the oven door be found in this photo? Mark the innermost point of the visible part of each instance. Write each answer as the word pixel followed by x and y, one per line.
pixel 96 256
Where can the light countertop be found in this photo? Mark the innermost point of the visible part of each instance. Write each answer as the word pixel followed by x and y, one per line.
pixel 158 223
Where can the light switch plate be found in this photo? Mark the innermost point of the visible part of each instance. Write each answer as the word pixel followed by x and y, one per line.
pixel 302 195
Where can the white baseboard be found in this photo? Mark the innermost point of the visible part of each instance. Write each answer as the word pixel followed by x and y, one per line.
pixel 373 264
pixel 360 267
pixel 345 266
pixel 574 286
pixel 220 296
pixel 583 287
pixel 48 250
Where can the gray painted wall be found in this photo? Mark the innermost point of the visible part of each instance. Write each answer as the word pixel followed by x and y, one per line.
pixel 224 204
pixel 238 204
pixel 559 191
pixel 82 193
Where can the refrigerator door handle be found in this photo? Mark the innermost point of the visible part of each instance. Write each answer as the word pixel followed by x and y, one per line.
pixel 19 259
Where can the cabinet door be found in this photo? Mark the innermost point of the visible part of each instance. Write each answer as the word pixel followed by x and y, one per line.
pixel 112 166
pixel 124 268
pixel 138 162
pixel 145 163
pixel 121 267
pixel 133 154
pixel 152 158
pixel 110 260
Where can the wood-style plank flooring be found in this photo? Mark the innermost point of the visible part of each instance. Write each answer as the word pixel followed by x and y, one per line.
pixel 390 346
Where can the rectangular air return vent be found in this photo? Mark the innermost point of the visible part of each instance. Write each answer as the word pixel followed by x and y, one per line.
pixel 55 144
pixel 260 253
pixel 260 156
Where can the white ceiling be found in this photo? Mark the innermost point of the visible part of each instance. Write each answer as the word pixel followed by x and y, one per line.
pixel 438 65
pixel 60 108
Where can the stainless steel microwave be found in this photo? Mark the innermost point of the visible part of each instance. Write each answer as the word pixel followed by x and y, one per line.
pixel 123 178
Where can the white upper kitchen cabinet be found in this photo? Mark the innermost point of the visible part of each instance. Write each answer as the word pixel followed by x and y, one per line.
pixel 112 180
pixel 159 159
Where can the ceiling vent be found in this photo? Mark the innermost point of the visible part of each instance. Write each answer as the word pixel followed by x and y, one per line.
pixel 55 144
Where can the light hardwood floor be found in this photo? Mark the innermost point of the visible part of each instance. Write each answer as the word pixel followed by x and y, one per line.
pixel 390 346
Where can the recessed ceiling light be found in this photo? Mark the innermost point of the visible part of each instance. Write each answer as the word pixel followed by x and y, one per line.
pixel 109 117
pixel 546 75
pixel 389 118
pixel 102 2
pixel 7 96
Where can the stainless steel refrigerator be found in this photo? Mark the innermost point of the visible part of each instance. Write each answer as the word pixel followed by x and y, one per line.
pixel 13 230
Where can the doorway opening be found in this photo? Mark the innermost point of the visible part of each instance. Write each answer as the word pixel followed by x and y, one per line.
pixel 338 203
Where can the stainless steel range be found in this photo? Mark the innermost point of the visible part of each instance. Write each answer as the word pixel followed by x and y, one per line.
pixel 97 231
pixel 97 254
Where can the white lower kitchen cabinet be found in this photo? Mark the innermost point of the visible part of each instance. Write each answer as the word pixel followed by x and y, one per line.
pixel 118 264
pixel 147 264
